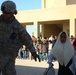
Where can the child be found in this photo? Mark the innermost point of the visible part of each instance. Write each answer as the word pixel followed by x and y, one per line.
pixel 63 51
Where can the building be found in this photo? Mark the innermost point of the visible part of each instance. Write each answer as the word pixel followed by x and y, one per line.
pixel 54 16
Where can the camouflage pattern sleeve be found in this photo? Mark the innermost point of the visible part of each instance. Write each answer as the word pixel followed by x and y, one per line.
pixel 25 38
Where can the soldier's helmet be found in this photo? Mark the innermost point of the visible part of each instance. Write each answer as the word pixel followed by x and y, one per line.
pixel 8 7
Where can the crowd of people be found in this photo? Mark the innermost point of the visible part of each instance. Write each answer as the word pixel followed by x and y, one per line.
pixel 42 46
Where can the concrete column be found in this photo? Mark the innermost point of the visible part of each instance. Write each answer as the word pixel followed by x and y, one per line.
pixel 72 27
pixel 36 29
pixel 42 30
pixel 43 4
pixel 66 27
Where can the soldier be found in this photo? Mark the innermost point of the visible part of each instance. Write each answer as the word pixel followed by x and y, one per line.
pixel 12 36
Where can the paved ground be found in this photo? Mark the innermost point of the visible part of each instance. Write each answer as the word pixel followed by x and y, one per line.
pixel 30 67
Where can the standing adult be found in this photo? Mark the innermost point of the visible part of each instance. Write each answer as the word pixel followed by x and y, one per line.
pixel 12 36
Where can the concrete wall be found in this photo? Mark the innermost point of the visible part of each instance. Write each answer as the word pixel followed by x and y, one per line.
pixel 51 29
pixel 70 2
pixel 50 14
pixel 47 14
pixel 55 3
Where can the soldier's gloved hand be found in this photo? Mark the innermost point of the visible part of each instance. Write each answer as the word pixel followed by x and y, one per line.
pixel 13 36
pixel 35 56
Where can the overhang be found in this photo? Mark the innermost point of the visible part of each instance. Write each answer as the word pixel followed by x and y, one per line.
pixel 47 14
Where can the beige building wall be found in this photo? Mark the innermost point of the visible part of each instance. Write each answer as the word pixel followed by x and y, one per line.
pixel 62 10
pixel 48 14
pixel 56 3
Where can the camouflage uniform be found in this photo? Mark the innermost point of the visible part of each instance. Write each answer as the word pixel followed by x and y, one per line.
pixel 12 36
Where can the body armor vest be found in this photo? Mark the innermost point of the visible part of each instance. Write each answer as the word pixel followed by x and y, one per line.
pixel 9 39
